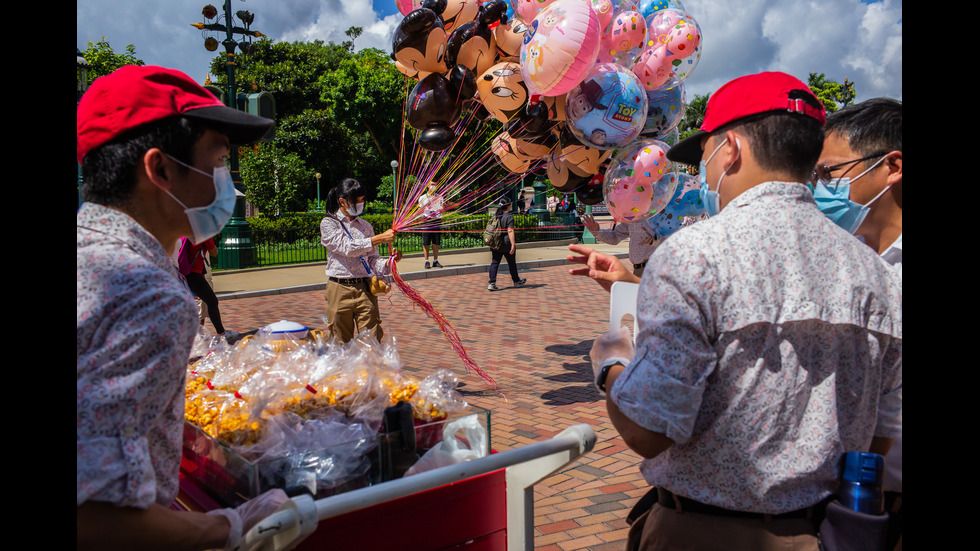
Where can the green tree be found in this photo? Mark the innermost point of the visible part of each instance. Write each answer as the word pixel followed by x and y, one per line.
pixel 693 116
pixel 834 95
pixel 102 59
pixel 273 179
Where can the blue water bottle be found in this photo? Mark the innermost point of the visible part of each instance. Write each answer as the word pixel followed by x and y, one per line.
pixel 860 485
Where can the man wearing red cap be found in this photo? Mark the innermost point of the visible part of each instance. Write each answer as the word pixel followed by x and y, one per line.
pixel 769 339
pixel 152 145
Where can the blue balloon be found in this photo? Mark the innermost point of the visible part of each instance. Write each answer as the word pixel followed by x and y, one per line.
pixel 685 207
pixel 665 110
pixel 608 108
pixel 648 7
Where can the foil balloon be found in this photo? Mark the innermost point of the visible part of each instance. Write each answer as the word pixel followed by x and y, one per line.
pixel 418 45
pixel 406 6
pixel 472 43
pixel 454 12
pixel 673 49
pixel 560 47
pixel 435 104
pixel 608 109
pixel 518 155
pixel 635 187
pixel 685 207
pixel 509 35
pixel 527 10
pixel 573 165
pixel 665 109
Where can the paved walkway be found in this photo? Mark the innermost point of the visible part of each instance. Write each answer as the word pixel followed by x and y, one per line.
pixel 533 340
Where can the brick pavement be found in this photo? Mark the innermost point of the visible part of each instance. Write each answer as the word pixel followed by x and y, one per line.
pixel 534 341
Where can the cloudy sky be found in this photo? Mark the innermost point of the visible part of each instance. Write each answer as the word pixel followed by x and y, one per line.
pixel 857 39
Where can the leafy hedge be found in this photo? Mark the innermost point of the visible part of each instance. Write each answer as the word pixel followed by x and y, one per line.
pixel 306 226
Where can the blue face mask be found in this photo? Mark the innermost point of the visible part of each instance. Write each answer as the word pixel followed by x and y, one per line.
pixel 208 220
pixel 710 199
pixel 833 198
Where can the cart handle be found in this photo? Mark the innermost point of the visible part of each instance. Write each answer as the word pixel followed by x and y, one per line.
pixel 525 467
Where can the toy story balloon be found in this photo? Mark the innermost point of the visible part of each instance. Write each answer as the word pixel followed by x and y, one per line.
pixel 560 47
pixel 665 109
pixel 608 108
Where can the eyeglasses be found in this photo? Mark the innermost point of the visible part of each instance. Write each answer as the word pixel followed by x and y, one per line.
pixel 822 173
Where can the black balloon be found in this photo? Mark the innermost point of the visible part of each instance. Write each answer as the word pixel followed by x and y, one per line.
pixel 435 105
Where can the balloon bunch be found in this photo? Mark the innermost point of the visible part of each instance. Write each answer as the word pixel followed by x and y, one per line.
pixel 591 91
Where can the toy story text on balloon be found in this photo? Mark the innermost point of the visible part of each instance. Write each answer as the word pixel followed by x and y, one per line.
pixel 608 109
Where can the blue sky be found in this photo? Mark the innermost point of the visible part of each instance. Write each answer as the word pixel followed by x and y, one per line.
pixel 856 39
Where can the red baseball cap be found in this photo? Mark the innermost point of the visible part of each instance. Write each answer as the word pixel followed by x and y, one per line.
pixel 745 96
pixel 135 95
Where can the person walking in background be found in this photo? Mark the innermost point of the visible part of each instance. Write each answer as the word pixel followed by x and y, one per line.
pixel 191 263
pixel 352 259
pixel 508 248
pixel 432 206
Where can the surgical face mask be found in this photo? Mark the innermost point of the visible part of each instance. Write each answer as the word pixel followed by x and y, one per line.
pixel 208 220
pixel 833 198
pixel 356 210
pixel 711 199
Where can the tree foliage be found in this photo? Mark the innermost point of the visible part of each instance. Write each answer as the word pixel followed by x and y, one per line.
pixel 102 59
pixel 338 110
pixel 834 95
pixel 273 179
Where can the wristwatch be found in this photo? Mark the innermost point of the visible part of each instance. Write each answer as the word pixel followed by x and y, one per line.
pixel 600 378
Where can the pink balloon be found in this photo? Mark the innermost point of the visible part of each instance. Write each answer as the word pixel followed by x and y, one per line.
pixel 406 6
pixel 604 9
pixel 629 201
pixel 560 47
pixel 623 38
pixel 529 9
pixel 673 49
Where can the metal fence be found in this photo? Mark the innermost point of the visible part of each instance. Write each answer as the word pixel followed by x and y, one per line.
pixel 294 246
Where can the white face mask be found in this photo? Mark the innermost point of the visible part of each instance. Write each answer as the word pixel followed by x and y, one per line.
pixel 356 210
pixel 208 220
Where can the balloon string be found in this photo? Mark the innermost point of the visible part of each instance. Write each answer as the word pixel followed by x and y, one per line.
pixel 444 325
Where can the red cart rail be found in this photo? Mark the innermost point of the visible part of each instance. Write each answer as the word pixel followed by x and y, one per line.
pixel 484 504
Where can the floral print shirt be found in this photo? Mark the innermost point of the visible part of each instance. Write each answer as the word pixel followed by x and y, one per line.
pixel 348 241
pixel 136 323
pixel 769 343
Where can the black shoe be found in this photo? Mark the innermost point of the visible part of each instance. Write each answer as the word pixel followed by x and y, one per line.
pixel 426 264
pixel 436 264
pixel 520 282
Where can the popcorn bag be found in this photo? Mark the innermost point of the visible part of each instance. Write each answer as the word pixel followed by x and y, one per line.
pixel 293 408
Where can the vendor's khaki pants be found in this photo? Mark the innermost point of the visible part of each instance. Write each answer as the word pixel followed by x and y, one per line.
pixel 663 529
pixel 352 309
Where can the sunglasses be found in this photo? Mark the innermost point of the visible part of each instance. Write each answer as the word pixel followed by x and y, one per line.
pixel 822 173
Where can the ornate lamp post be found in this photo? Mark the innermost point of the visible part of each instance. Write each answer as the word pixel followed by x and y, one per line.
pixel 236 249
pixel 317 191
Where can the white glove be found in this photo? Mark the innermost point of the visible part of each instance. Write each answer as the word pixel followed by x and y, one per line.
pixel 610 349
pixel 248 514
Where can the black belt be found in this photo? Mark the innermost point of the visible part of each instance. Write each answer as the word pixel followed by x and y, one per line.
pixel 638 266
pixel 683 504
pixel 349 281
